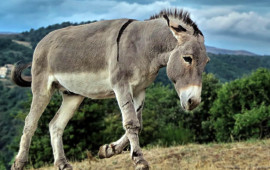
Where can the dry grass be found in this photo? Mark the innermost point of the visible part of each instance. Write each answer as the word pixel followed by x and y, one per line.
pixel 244 155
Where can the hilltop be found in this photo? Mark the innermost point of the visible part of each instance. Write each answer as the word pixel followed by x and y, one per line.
pixel 240 155
pixel 215 50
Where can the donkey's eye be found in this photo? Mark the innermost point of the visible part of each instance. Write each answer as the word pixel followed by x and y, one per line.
pixel 187 58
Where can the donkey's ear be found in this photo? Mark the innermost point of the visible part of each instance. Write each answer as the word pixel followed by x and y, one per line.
pixel 178 31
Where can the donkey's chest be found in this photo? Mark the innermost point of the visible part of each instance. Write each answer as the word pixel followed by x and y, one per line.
pixel 92 85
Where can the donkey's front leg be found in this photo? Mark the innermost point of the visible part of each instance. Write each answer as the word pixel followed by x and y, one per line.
pixel 109 150
pixel 131 124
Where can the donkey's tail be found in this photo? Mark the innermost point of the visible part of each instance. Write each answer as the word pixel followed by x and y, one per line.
pixel 16 75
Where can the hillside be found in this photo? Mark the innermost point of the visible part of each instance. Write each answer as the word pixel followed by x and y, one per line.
pixel 230 67
pixel 12 52
pixel 242 155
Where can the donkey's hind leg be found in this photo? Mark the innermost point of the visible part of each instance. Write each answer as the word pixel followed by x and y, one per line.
pixel 57 125
pixel 39 103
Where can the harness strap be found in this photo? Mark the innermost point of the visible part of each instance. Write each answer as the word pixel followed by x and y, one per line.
pixel 120 34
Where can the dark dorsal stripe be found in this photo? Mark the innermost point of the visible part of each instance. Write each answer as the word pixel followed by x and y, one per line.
pixel 120 34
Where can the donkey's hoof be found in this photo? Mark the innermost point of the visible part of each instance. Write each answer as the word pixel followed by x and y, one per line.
pixel 142 165
pixel 17 165
pixel 65 166
pixel 106 151
pixel 102 153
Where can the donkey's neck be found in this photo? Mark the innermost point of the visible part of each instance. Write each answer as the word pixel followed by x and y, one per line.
pixel 162 42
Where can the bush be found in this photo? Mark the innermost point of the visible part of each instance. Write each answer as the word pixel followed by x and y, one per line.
pixel 174 135
pixel 254 123
pixel 238 98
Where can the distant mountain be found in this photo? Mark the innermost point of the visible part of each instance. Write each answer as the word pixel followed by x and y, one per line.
pixel 215 50
pixel 8 33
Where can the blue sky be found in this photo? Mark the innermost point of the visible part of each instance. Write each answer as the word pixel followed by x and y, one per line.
pixel 230 24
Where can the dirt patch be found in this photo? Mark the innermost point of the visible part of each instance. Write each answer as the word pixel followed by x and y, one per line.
pixel 24 43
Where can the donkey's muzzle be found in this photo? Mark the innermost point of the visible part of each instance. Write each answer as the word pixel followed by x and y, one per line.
pixel 191 104
pixel 190 97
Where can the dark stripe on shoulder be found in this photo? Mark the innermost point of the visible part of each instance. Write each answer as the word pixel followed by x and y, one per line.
pixel 120 34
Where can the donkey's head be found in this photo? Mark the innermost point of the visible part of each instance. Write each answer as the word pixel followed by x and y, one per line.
pixel 188 59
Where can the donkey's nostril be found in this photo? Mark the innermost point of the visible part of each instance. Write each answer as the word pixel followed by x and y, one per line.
pixel 189 101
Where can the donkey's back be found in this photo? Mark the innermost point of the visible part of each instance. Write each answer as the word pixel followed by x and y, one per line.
pixel 76 59
pixel 80 48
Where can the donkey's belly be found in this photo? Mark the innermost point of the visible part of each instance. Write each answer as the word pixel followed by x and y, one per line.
pixel 92 85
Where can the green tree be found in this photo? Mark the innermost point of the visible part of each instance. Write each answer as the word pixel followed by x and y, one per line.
pixel 254 123
pixel 235 103
pixel 10 103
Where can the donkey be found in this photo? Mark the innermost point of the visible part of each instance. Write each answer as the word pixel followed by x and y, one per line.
pixel 106 59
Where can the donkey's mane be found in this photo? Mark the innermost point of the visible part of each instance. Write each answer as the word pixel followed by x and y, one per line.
pixel 180 14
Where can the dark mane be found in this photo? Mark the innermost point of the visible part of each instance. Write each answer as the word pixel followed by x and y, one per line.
pixel 180 14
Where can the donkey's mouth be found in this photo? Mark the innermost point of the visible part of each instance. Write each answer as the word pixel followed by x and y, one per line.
pixel 190 104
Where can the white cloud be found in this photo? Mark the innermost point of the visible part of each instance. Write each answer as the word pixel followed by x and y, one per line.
pixel 234 27
pixel 113 10
pixel 138 11
pixel 245 23
pixel 34 14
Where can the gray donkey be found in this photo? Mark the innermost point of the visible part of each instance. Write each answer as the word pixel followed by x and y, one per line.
pixel 106 59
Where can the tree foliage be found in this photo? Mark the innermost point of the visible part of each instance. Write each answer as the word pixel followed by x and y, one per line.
pixel 10 103
pixel 240 104
pixel 11 52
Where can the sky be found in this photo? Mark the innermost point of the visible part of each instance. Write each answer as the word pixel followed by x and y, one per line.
pixel 229 24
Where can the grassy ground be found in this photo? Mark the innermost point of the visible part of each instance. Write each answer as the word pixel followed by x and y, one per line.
pixel 251 155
